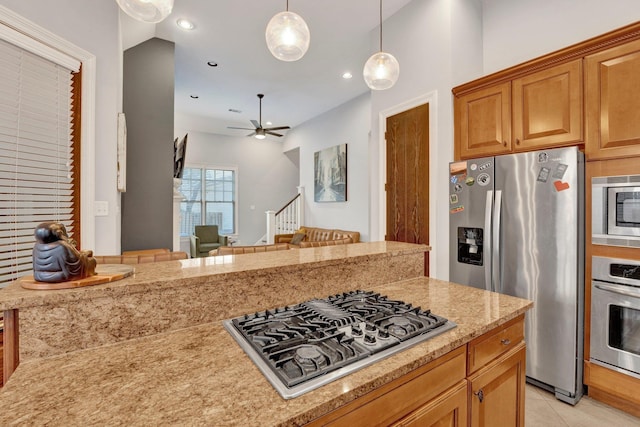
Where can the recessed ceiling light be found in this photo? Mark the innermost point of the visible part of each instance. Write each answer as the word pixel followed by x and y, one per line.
pixel 194 96
pixel 347 75
pixel 212 64
pixel 185 24
pixel 268 123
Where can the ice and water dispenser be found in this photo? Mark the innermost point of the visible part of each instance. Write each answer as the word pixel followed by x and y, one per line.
pixel 470 245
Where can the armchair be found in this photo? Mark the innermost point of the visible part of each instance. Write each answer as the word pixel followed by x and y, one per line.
pixel 205 239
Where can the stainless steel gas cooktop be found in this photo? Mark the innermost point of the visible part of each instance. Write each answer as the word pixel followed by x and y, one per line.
pixel 304 346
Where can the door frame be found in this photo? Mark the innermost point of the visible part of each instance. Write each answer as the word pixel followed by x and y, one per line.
pixel 430 98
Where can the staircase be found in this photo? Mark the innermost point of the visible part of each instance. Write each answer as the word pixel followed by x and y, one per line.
pixel 288 219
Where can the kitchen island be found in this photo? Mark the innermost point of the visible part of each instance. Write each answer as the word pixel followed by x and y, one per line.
pixel 198 375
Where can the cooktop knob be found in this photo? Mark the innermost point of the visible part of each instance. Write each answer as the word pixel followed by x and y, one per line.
pixel 383 333
pixel 370 327
pixel 369 339
pixel 356 331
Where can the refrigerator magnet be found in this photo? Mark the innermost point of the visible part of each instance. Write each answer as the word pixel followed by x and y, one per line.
pixel 483 179
pixel 470 181
pixel 560 170
pixel 456 209
pixel 453 199
pixel 561 186
pixel 543 175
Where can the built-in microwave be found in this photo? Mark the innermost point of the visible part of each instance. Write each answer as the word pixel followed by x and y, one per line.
pixel 616 210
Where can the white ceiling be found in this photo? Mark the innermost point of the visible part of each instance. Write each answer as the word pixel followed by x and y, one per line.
pixel 231 33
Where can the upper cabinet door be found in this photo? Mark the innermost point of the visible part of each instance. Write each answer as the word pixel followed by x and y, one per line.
pixel 547 108
pixel 613 102
pixel 483 122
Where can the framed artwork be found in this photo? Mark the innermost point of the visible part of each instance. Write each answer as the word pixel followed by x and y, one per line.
pixel 122 153
pixel 330 174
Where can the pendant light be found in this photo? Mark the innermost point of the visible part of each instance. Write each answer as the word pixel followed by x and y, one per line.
pixel 151 11
pixel 287 36
pixel 381 70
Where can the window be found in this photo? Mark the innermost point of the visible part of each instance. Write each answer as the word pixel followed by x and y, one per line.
pixel 210 194
pixel 39 164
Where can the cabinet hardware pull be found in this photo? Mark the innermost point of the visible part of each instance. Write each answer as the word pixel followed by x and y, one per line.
pixel 504 143
pixel 506 341
pixel 480 395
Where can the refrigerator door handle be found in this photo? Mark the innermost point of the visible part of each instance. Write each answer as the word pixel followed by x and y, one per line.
pixel 495 245
pixel 488 209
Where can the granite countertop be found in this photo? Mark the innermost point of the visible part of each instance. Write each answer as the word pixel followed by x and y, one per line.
pixel 200 375
pixel 189 271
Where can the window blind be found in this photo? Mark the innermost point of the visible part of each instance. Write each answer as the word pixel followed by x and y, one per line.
pixel 36 154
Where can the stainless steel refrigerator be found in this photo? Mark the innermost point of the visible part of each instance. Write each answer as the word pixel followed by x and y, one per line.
pixel 517 227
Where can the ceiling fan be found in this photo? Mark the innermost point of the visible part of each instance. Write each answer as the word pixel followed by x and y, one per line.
pixel 260 132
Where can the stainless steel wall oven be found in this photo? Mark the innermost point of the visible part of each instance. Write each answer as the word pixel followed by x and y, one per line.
pixel 615 314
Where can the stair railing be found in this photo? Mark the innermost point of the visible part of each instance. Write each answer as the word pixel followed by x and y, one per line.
pixel 288 219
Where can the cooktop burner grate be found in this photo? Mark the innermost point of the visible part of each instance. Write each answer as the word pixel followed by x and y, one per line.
pixel 301 347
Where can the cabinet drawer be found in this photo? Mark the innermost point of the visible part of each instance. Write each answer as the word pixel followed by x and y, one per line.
pixel 491 345
pixel 399 398
pixel 448 409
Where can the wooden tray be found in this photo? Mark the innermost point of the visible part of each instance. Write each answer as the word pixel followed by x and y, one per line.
pixel 105 273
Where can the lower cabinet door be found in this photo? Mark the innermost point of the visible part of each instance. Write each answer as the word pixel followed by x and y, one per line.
pixel 497 391
pixel 448 409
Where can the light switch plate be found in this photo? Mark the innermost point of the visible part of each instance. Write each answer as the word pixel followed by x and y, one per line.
pixel 101 208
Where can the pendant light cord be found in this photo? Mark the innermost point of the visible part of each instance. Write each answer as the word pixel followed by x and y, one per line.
pixel 380 25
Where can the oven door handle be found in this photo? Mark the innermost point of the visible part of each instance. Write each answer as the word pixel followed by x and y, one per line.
pixel 622 290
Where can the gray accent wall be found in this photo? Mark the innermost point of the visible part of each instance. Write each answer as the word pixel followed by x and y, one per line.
pixel 148 95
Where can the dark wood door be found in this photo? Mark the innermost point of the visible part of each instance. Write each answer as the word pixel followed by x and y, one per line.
pixel 408 176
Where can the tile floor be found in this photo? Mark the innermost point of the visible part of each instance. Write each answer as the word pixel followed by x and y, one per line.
pixel 542 409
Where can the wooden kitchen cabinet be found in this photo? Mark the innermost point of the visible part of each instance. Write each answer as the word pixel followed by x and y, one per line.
pixel 488 347
pixel 1 355
pixel 539 110
pixel 449 409
pixel 445 392
pixel 547 108
pixel 422 390
pixel 483 122
pixel 497 391
pixel 613 102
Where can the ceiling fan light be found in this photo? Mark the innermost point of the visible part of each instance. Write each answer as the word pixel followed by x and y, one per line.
pixel 260 134
pixel 151 11
pixel 381 71
pixel 287 36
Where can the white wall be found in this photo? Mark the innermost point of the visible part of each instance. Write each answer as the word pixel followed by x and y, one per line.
pixel 517 31
pixel 348 123
pixel 267 178
pixel 92 26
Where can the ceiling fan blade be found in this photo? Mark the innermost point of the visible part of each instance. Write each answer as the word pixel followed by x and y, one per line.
pixel 272 133
pixel 233 127
pixel 256 124
pixel 252 134
pixel 278 128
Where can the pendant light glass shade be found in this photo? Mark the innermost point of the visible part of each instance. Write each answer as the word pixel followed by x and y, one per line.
pixel 381 71
pixel 151 11
pixel 287 36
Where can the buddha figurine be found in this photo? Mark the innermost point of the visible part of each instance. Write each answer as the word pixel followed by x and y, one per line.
pixel 55 257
